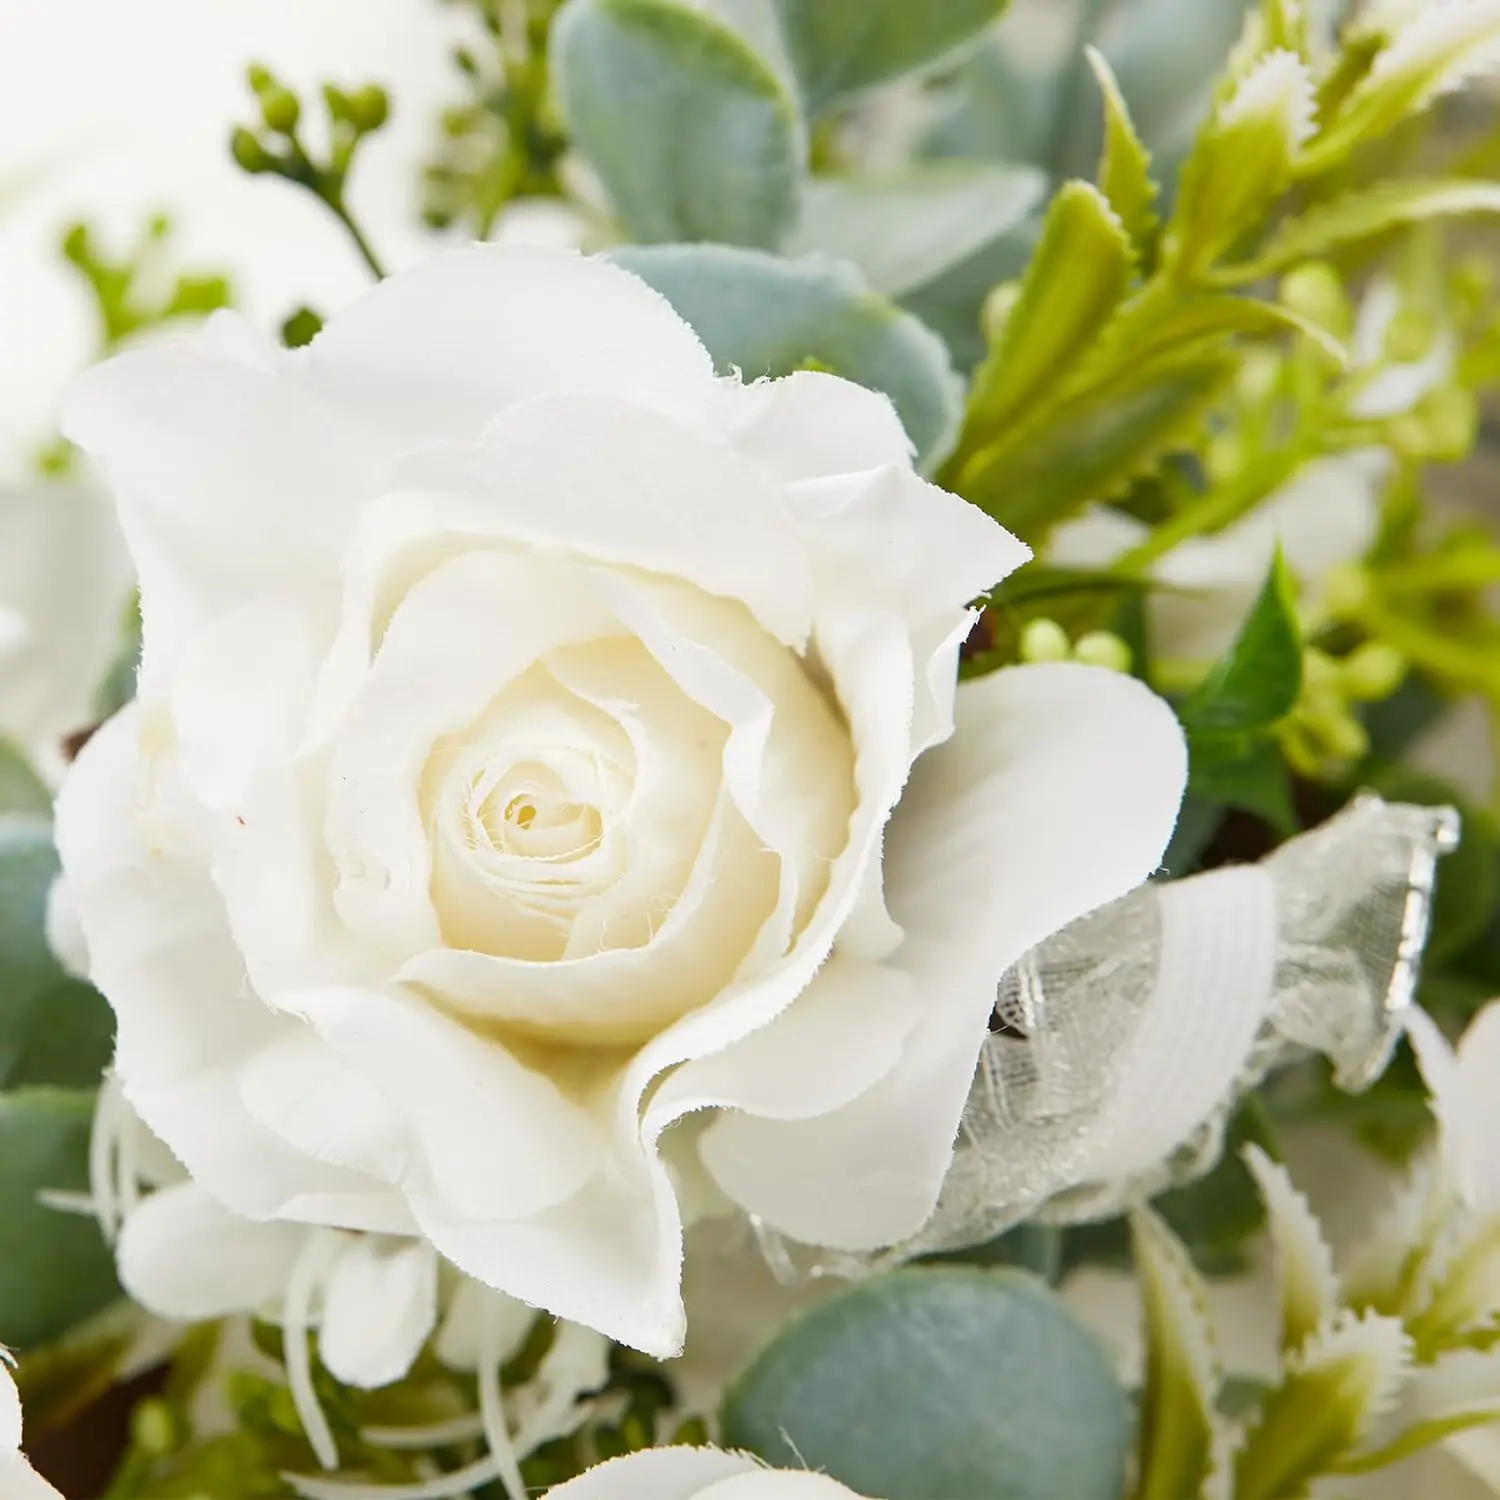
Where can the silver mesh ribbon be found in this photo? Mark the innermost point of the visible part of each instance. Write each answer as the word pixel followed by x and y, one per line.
pixel 1121 1045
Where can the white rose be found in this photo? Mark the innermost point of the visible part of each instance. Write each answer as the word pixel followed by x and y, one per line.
pixel 696 1474
pixel 18 1480
pixel 522 711
pixel 64 582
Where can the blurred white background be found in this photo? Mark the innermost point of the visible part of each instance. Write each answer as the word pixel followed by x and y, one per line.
pixel 113 109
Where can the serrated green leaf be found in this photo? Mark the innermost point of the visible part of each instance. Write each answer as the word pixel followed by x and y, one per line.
pixel 55 1269
pixel 1436 51
pixel 1308 1287
pixel 1363 215
pixel 54 1029
pixel 1241 163
pixel 21 789
pixel 935 1382
pixel 1246 773
pixel 1320 1412
pixel 839 47
pixel 1258 679
pixel 1077 278
pixel 906 229
pixel 1179 1426
pixel 1285 23
pixel 1125 165
pixel 1091 448
pixel 692 133
pixel 765 315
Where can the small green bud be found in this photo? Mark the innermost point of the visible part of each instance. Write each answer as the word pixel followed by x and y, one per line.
pixel 1346 590
pixel 249 155
pixel 1372 671
pixel 368 108
pixel 301 328
pixel 1101 648
pixel 281 110
pixel 153 1427
pixel 1045 640
pixel 337 102
pixel 1408 338
pixel 1345 737
pixel 258 76
pixel 1259 375
pixel 1321 674
pixel 1225 457
pixel 997 310
pixel 1316 292
pixel 77 245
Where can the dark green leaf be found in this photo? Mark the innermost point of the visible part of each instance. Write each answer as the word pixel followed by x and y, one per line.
pixel 763 315
pixel 1245 773
pixel 840 46
pixel 939 1383
pixel 53 1029
pixel 690 130
pixel 1395 722
pixel 1033 1247
pixel 1258 680
pixel 55 1269
pixel 1197 824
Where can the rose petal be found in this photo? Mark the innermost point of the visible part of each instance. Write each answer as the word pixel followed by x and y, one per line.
pixel 444 346
pixel 1057 794
pixel 655 1474
pixel 184 1256
pixel 539 485
pixel 379 1305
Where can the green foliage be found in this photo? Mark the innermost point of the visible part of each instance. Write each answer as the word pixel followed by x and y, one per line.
pixel 1125 167
pixel 931 1383
pixel 690 130
pixel 904 230
pixel 137 292
pixel 55 1269
pixel 1257 681
pixel 277 148
pixel 837 47
pixel 763 315
pixel 21 789
pixel 53 1029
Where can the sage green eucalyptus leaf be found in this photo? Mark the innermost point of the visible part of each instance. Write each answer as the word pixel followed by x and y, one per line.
pixel 692 133
pixel 55 1269
pixel 839 47
pixel 54 1029
pixel 21 789
pixel 939 1383
pixel 764 315
pixel 906 229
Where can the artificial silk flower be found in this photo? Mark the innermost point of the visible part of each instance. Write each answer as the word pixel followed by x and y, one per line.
pixel 64 583
pixel 696 1474
pixel 18 1480
pixel 517 824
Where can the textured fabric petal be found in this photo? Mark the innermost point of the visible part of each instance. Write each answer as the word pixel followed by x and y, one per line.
pixel 64 580
pixel 461 1095
pixel 458 1339
pixel 170 427
pixel 184 1020
pixel 655 1474
pixel 10 1408
pixel 451 342
pixel 184 1257
pixel 538 485
pixel 379 1305
pixel 1057 794
pixel 1478 1070
pixel 19 1481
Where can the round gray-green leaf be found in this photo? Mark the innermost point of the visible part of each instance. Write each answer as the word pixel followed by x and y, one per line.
pixel 942 1383
pixel 764 315
pixel 841 46
pixel 54 1029
pixel 55 1269
pixel 905 230
pixel 691 132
